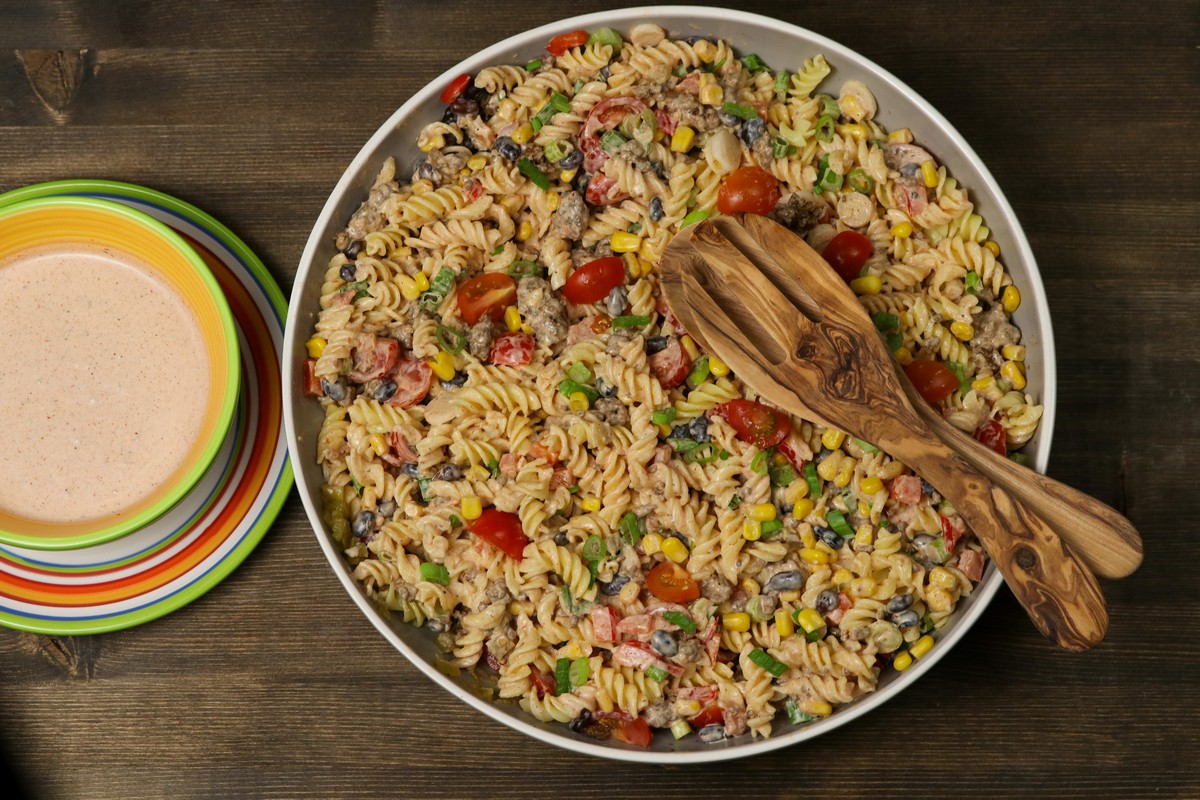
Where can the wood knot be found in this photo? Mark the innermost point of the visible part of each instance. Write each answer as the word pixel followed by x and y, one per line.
pixel 1026 559
pixel 75 656
pixel 56 76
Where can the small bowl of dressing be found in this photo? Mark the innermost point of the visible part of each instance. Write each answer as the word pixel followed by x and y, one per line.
pixel 120 372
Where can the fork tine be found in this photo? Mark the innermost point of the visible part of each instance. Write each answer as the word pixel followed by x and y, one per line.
pixel 784 281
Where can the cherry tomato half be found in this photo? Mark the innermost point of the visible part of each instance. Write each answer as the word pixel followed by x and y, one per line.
pixel 592 282
pixel 502 530
pixel 412 377
pixel 486 294
pixel 760 425
pixel 932 379
pixel 670 365
pixel 635 732
pixel 672 583
pixel 710 715
pixel 749 189
pixel 456 88
pixel 512 349
pixel 565 41
pixel 847 252
pixel 992 434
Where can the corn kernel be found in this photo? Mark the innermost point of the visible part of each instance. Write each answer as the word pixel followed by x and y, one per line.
pixel 687 708
pixel 422 281
pixel 810 620
pixel 827 470
pixel 705 50
pixel 808 539
pixel 901 135
pixel 552 200
pixel 526 327
pixel 425 144
pixel 751 586
pixel 378 443
pixel 443 365
pixel 938 599
pixel 1012 372
pixel 854 130
pixel 902 662
pixel 524 231
pixel 646 251
pixel 578 401
pixel 818 708
pixel 512 319
pixel 826 549
pixel 1011 298
pixel 790 596
pixel 523 134
pixel 674 549
pixel 842 577
pixel 752 530
pixel 408 286
pixel 921 646
pixel 783 623
pixel 512 203
pixel 682 138
pixel 651 543
pixel 903 356
pixel 995 248
pixel 762 512
pixel 629 592
pixel 940 576
pixel 591 504
pixel 871 485
pixel 867 284
pixel 624 242
pixel 929 174
pixel 862 587
pixel 739 622
pixel 315 346
pixel 478 472
pixel 1013 352
pixel 983 384
pixel 864 536
pixel 665 430
pixel 962 330
pixel 832 438
pixel 477 162
pixel 814 556
pixel 471 507
pixel 797 490
pixel 689 347
pixel 901 230
pixel 568 175
pixel 712 95
pixel 707 79
pixel 717 367
pixel 802 508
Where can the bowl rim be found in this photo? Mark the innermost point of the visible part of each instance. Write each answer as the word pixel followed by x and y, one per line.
pixel 664 15
pixel 228 344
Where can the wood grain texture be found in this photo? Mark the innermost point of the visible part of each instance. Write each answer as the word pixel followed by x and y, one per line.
pixel 274 686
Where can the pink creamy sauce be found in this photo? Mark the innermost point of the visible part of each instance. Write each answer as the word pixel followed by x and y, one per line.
pixel 105 382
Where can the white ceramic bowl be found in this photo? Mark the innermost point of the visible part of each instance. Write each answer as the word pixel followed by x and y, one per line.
pixel 779 44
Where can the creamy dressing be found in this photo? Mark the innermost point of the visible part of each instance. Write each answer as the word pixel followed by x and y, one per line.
pixel 103 382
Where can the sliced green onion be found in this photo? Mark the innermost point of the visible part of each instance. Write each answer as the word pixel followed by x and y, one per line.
pixel 866 446
pixel 680 727
pixel 683 445
pixel 703 454
pixel 713 67
pixel 680 619
pixel 570 387
pixel 358 487
pixel 964 383
pixel 974 283
pixel 560 102
pixel 664 416
pixel 824 129
pixel 894 341
pixel 1019 458
pixel 734 502
pixel 631 529
pixel 630 322
pixel 656 674
pixel 795 715
pixel 542 117
pixel 832 108
pixel 423 485
pixel 530 170
pixel 759 464
pixel 783 475
pixel 860 181
pixel 828 180
pixel 939 545
pixel 814 483
pixel 634 227
pixel 556 150
pixel 578 673
pixel 455 522
pixel 611 141
pixel 770 528
pixel 452 340
pixel 435 573
pixel 724 454
pixel 562 675
pixel 885 322
pixel 815 636
pixel 883 523
pixel 605 36
pixel 782 78
pixel 498 249
pixel 579 372
pixel 780 147
pixel 567 600
pixel 764 660
pixel 680 71
pixel 360 289
pixel 753 63
pixel 532 65
pixel 593 549
pixel 926 624
pixel 440 285
pixel 522 268
pixel 742 111
pixel 493 467
pixel 837 521
pixel 699 371
pixel 694 216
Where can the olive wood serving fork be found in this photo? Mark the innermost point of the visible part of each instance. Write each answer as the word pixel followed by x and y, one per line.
pixel 765 303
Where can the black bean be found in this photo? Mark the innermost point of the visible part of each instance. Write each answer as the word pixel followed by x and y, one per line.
pixel 448 116
pixel 448 472
pixel 507 148
pixel 425 171
pixel 656 209
pixel 436 625
pixel 826 601
pixel 728 120
pixel 458 380
pixel 353 249
pixel 752 129
pixel 615 302
pixel 387 508
pixel 410 470
pixel 899 603
pixel 656 344
pixel 680 537
pixel 605 72
pixel 572 159
pixel 337 391
pixel 699 429
pixel 821 456
pixel 465 104
pixel 347 272
pixel 710 734
pixel 664 642
pixel 580 184
pixel 605 388
pixel 561 539
pixel 927 487
pixel 906 619
pixel 384 391
pixel 614 586
pixel 784 581
pixel 363 524
pixel 580 722
pixel 830 538
pixel 683 431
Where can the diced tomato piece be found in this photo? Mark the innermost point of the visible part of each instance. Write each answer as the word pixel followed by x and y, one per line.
pixel 844 605
pixel 666 123
pixel 502 530
pixel 933 380
pixel 561 477
pixel 404 453
pixel 510 463
pixel 412 377
pixel 640 656
pixel 592 282
pixel 635 625
pixel 703 695
pixel 671 582
pixel 603 191
pixel 635 732
pixel 712 640
pixel 789 452
pixel 565 41
pixel 670 365
pixel 710 715
pixel 756 423
pixel 513 349
pixel 604 623
pixel 910 196
pixel 374 357
pixel 473 190
pixel 953 529
pixel 455 88
pixel 605 116
pixel 539 450
pixel 488 294
pixel 992 434
pixel 312 384
pixel 906 489
pixel 970 563
pixel 690 84
pixel 542 681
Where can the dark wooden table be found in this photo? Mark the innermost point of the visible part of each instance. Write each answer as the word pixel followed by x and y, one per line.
pixel 273 685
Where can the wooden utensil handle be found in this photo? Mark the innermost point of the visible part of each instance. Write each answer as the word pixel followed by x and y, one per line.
pixel 1103 539
pixel 1059 593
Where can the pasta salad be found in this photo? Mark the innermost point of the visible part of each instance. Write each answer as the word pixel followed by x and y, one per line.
pixel 524 451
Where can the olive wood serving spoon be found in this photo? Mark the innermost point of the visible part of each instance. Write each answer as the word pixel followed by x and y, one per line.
pixel 805 343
